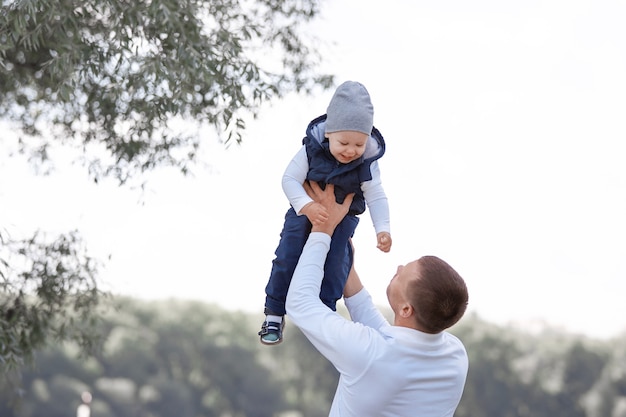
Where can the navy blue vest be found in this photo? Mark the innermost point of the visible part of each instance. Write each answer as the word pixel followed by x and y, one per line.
pixel 347 178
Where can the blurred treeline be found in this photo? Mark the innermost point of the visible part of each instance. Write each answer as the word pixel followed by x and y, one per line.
pixel 190 359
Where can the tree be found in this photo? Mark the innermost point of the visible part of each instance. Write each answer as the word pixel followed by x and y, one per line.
pixel 113 79
pixel 583 366
pixel 48 291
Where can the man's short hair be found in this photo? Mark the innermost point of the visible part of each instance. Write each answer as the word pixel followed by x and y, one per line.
pixel 438 295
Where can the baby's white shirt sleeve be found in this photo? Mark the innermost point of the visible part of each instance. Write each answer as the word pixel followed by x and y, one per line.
pixel 376 200
pixel 373 191
pixel 293 178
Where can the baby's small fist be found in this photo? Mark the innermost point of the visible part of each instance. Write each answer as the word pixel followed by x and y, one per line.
pixel 384 241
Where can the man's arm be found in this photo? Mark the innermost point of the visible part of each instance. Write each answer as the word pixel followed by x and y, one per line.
pixel 347 345
pixel 353 284
pixel 359 303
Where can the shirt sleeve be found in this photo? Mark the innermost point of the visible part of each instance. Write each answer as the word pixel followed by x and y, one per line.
pixel 347 344
pixel 293 178
pixel 362 310
pixel 377 202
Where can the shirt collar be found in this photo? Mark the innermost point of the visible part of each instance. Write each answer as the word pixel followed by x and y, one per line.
pixel 410 336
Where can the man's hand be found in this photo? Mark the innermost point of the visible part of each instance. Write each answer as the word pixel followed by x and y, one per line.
pixel 326 197
pixel 315 212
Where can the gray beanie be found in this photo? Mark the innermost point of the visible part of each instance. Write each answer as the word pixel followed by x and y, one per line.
pixel 350 109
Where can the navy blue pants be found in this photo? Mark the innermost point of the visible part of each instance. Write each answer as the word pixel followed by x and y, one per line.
pixel 292 239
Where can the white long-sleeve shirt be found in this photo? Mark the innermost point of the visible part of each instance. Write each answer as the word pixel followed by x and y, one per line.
pixel 384 370
pixel 375 197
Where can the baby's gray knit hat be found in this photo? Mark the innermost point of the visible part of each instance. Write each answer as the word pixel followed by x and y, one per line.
pixel 350 109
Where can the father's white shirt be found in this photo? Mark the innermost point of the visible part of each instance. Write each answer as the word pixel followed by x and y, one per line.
pixel 385 370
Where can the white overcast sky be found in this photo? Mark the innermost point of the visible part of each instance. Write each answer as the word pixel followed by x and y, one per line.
pixel 505 130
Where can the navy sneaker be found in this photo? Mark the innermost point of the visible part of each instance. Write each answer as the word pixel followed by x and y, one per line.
pixel 271 332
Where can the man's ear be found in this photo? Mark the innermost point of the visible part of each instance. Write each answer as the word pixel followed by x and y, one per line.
pixel 406 310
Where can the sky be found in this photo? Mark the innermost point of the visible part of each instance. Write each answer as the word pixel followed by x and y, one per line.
pixel 505 132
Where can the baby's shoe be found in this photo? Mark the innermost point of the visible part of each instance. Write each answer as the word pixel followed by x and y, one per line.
pixel 272 331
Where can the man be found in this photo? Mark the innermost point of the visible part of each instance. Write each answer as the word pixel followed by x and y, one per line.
pixel 410 368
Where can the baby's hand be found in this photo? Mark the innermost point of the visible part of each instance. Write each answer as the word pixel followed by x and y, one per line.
pixel 315 212
pixel 384 241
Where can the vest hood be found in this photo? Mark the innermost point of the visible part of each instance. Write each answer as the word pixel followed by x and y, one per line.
pixel 347 178
pixel 374 148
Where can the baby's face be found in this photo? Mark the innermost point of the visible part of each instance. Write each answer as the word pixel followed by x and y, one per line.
pixel 347 145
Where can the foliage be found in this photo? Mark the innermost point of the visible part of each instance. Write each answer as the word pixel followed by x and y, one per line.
pixel 113 77
pixel 192 359
pixel 116 79
pixel 48 292
pixel 165 359
pixel 516 374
